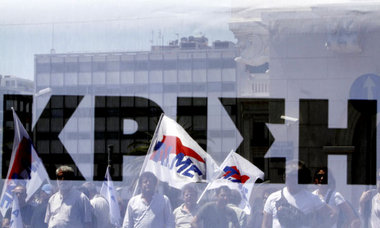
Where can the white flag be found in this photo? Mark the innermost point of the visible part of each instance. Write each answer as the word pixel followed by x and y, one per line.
pixel 239 174
pixel 174 157
pixel 16 219
pixel 109 193
pixel 25 167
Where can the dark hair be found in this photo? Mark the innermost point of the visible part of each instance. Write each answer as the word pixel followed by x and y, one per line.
pixel 189 187
pixel 317 174
pixel 304 174
pixel 224 188
pixel 148 175
pixel 90 188
pixel 330 179
pixel 84 190
pixel 235 197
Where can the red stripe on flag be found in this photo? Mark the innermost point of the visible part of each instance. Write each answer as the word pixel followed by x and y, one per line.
pixel 22 162
pixel 178 148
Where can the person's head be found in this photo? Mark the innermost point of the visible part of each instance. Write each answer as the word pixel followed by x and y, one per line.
pixel 223 194
pixel 45 192
pixel 64 173
pixel 320 176
pixel 89 189
pixel 293 169
pixel 235 197
pixel 20 192
pixel 324 179
pixel 84 190
pixel 147 183
pixel 190 194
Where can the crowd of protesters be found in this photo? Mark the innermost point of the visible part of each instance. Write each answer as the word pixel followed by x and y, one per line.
pixel 293 205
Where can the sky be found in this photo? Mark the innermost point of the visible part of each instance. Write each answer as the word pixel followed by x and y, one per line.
pixel 29 27
pixel 35 27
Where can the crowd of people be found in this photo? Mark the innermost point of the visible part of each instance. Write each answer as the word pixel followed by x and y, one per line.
pixel 294 205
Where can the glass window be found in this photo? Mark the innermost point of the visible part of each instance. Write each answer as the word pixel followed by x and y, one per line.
pixel 127 66
pixel 99 66
pixel 71 67
pixel 57 67
pixel 200 64
pixel 57 79
pixel 85 66
pixel 42 68
pixel 113 66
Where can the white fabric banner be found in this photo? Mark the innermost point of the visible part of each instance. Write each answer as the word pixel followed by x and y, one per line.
pixel 25 168
pixel 238 174
pixel 109 193
pixel 16 219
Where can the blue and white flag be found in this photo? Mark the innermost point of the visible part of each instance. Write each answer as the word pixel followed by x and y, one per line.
pixel 109 193
pixel 16 219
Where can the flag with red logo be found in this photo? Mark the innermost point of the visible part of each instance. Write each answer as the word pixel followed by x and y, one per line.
pixel 174 157
pixel 238 174
pixel 25 167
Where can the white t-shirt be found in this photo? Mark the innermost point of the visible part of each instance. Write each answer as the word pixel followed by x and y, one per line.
pixel 334 201
pixel 375 211
pixel 182 217
pixel 74 210
pixel 303 200
pixel 101 211
pixel 158 213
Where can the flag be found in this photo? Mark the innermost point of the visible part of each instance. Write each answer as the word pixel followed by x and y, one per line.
pixel 238 174
pixel 16 219
pixel 25 167
pixel 109 193
pixel 174 157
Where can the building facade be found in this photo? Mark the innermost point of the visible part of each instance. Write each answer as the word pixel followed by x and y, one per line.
pixel 115 99
pixel 15 92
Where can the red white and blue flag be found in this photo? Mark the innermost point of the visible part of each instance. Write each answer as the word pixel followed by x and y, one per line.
pixel 238 174
pixel 25 167
pixel 174 157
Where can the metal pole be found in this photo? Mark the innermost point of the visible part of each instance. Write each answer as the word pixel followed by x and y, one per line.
pixel 109 151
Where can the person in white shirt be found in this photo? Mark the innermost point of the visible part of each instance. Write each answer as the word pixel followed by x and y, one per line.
pixel 234 203
pixel 100 206
pixel 148 209
pixel 217 213
pixel 326 192
pixel 184 214
pixel 68 208
pixel 294 206
pixel 369 205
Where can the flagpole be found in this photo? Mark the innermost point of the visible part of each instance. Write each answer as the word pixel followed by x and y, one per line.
pixel 37 174
pixel 108 192
pixel 220 172
pixel 15 123
pixel 152 143
pixel 109 153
